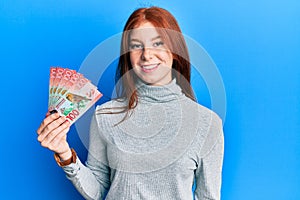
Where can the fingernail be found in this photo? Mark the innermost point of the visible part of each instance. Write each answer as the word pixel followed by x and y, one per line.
pixel 66 123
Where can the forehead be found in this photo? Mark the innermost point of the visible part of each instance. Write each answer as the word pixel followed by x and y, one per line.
pixel 144 31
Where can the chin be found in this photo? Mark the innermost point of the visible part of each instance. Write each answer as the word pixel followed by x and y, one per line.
pixel 158 78
pixel 154 82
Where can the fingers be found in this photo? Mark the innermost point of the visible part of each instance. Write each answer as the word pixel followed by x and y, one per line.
pixel 46 121
pixel 52 129
pixel 55 143
pixel 56 140
pixel 52 133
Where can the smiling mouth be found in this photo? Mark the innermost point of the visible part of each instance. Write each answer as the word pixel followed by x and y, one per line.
pixel 149 68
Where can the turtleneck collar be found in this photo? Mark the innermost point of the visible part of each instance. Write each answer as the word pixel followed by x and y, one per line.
pixel 159 94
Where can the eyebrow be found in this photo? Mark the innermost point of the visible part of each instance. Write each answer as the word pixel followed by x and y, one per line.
pixel 137 40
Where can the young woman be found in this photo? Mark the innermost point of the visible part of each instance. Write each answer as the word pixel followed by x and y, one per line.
pixel 154 141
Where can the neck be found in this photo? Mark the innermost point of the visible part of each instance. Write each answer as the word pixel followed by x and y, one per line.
pixel 158 93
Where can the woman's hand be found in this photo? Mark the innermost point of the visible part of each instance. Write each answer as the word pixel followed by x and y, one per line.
pixel 53 135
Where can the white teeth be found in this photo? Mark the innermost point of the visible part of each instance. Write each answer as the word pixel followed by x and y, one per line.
pixel 149 66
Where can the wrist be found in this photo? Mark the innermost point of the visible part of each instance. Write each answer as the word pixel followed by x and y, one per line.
pixel 64 160
pixel 65 155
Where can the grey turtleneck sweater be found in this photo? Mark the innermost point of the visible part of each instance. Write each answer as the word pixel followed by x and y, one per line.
pixel 168 143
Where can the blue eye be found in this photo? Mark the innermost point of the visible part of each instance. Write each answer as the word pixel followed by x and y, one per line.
pixel 136 46
pixel 157 44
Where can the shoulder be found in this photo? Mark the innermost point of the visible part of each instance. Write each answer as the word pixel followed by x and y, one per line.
pixel 114 103
pixel 204 114
pixel 109 113
pixel 209 127
pixel 210 116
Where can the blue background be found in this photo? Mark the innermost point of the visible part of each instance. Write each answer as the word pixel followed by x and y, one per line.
pixel 255 44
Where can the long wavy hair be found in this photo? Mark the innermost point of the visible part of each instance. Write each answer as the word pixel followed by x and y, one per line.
pixel 171 34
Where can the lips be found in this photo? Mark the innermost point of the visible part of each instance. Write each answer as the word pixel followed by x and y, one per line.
pixel 149 68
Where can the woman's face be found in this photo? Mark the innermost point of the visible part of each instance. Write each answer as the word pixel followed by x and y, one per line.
pixel 150 57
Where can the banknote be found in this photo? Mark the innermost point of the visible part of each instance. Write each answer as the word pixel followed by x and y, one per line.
pixel 62 84
pixel 70 93
pixel 57 75
pixel 51 82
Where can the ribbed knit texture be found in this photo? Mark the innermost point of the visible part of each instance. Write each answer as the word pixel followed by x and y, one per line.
pixel 167 142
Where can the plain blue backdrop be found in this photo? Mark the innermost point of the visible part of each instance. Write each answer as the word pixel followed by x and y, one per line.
pixel 255 45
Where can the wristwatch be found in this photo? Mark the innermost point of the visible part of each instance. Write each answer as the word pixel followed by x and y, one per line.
pixel 66 162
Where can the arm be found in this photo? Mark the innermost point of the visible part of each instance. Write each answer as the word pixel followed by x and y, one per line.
pixel 209 171
pixel 92 180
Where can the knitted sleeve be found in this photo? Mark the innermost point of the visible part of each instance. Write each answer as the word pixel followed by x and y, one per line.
pixel 209 171
pixel 92 180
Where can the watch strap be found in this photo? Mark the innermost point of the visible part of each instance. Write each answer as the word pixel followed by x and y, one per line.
pixel 72 159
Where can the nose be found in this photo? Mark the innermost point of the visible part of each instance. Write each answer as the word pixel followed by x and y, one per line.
pixel 147 54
